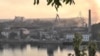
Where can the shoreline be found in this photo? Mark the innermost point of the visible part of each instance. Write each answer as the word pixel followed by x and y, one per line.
pixel 59 42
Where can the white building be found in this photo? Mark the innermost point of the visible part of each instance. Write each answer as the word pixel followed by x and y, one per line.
pixel 86 37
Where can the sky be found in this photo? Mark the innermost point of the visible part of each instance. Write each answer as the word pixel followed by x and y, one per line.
pixel 12 8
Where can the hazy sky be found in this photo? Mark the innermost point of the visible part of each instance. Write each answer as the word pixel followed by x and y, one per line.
pixel 11 8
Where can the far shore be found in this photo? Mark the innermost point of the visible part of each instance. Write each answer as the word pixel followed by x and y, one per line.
pixel 21 41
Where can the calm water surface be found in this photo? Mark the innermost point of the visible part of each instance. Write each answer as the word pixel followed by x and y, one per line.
pixel 36 50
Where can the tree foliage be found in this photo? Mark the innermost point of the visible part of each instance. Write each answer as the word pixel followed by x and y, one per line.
pixel 92 48
pixel 55 3
pixel 76 43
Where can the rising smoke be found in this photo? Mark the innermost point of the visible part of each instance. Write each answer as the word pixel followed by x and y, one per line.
pixel 95 12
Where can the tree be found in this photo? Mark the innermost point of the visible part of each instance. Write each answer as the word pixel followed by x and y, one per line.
pixel 56 3
pixel 83 53
pixel 92 48
pixel 76 43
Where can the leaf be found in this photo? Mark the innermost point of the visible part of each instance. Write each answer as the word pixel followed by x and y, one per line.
pixel 37 1
pixel 49 2
pixel 53 4
pixel 56 7
pixel 73 2
pixel 34 2
pixel 59 3
pixel 67 1
pixel 64 1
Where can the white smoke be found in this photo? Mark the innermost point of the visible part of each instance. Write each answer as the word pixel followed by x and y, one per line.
pixel 95 12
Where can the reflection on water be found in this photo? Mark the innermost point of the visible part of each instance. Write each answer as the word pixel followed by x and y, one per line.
pixel 35 50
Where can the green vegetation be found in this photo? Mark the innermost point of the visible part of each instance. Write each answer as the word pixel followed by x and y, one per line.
pixel 77 42
pixel 92 48
pixel 56 3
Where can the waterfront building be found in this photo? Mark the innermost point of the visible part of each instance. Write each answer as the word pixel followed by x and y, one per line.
pixel 7 32
pixel 85 37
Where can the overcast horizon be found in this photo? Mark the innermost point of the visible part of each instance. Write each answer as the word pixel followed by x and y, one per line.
pixel 25 8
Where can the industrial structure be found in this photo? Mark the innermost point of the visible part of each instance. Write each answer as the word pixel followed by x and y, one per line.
pixel 51 31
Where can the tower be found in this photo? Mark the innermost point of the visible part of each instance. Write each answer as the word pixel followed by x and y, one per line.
pixel 89 21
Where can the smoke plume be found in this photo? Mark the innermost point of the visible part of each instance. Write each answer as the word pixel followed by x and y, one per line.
pixel 95 12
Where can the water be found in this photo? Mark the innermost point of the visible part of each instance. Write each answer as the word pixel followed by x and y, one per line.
pixel 36 50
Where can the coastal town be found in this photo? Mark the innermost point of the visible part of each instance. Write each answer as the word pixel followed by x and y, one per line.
pixel 56 30
pixel 49 28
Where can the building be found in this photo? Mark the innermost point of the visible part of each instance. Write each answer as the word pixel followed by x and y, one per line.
pixel 85 32
pixel 7 32
pixel 85 37
pixel 16 32
pixel 18 19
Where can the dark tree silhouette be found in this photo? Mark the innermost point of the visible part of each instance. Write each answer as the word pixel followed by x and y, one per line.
pixel 92 48
pixel 56 3
pixel 76 43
